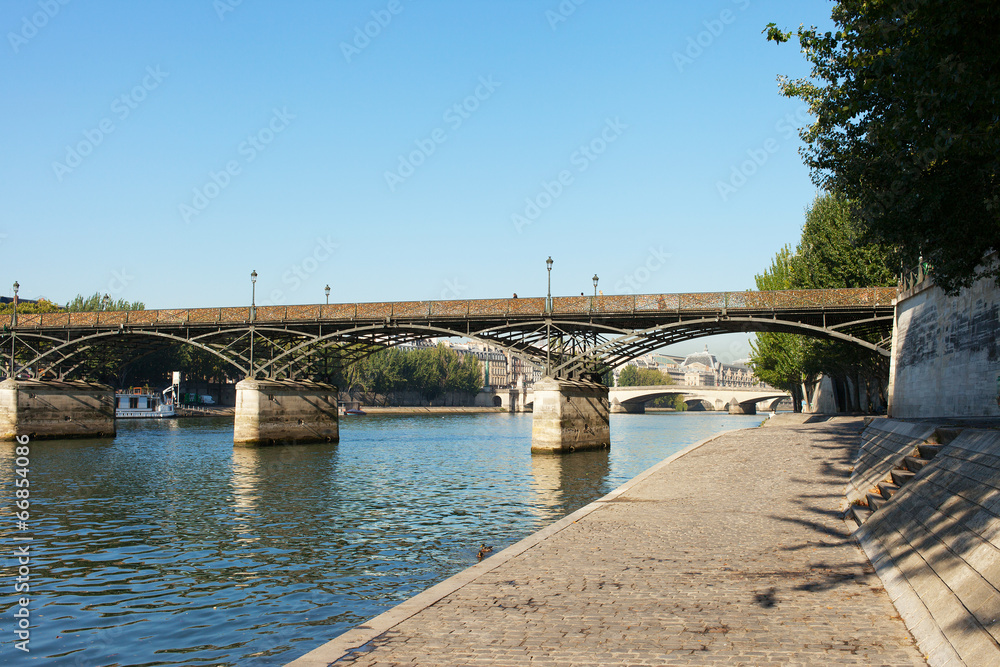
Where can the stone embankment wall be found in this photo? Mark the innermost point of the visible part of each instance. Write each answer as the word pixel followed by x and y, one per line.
pixel 946 353
pixel 936 543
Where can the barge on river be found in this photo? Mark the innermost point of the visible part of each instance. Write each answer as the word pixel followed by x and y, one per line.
pixel 143 403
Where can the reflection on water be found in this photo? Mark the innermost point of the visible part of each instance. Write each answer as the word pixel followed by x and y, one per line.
pixel 167 545
pixel 564 482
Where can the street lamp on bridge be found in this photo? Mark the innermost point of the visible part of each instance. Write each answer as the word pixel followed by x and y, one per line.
pixel 548 320
pixel 548 297
pixel 253 315
pixel 595 285
pixel 13 332
pixel 105 302
pixel 326 290
pixel 253 296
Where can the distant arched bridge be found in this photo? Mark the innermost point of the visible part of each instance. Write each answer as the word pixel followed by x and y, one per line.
pixel 633 399
pixel 571 336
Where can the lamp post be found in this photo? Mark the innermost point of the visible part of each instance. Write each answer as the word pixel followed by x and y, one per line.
pixel 253 316
pixel 105 302
pixel 548 297
pixel 13 333
pixel 548 321
pixel 326 290
pixel 592 310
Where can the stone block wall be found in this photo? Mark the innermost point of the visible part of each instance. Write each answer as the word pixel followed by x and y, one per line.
pixel 936 543
pixel 946 353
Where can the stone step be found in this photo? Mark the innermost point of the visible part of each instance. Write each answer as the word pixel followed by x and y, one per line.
pixel 928 451
pixel 860 514
pixel 901 477
pixel 914 463
pixel 887 489
pixel 875 501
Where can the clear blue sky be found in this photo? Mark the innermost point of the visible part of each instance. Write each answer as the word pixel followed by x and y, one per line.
pixel 160 151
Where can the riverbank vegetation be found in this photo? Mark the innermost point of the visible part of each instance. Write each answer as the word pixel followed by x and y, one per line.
pixel 904 96
pixel 633 376
pixel 830 254
pixel 905 147
pixel 79 304
pixel 430 373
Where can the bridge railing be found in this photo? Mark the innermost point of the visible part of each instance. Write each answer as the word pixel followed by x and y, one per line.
pixel 420 310
pixel 915 276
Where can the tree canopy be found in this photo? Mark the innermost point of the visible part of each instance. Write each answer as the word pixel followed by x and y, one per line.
pixel 633 376
pixel 905 96
pixel 431 372
pixel 96 302
pixel 830 255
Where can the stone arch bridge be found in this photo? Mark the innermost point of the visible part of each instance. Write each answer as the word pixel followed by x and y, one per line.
pixel 287 348
pixel 632 400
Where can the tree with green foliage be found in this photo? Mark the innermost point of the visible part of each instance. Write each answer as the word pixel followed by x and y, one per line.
pixel 831 254
pixel 904 93
pixel 431 372
pixel 633 376
pixel 40 306
pixel 96 302
pixel 778 358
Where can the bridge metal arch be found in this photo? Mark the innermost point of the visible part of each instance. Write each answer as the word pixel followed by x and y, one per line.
pixel 404 334
pixel 84 343
pixel 636 343
pixel 66 350
pixel 626 345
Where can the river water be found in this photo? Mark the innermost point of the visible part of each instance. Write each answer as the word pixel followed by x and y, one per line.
pixel 168 546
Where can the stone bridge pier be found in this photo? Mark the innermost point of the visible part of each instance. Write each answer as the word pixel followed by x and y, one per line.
pixel 737 408
pixel 569 416
pixel 42 409
pixel 285 412
pixel 628 407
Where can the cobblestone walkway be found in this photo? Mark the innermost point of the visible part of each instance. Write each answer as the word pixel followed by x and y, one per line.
pixel 733 554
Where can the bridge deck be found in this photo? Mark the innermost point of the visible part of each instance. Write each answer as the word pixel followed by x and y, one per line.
pixel 486 309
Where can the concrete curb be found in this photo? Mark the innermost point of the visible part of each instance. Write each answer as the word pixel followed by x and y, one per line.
pixel 355 638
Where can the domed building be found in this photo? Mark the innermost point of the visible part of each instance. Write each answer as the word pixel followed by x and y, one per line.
pixel 701 369
pixel 704 369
